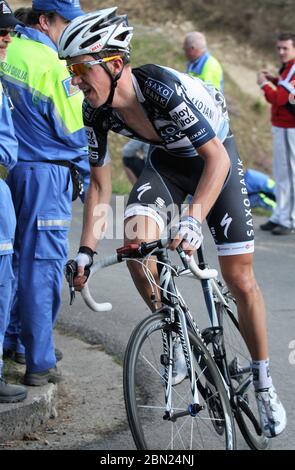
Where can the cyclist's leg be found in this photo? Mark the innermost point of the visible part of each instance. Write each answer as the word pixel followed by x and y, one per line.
pixel 237 271
pixel 147 229
pixel 230 222
pixel 153 202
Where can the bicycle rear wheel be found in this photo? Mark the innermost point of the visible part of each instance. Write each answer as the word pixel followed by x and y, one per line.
pixel 239 359
pixel 144 392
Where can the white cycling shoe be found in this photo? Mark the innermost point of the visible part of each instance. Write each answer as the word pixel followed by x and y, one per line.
pixel 273 419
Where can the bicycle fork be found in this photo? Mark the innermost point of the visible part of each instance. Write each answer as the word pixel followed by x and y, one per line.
pixel 193 408
pixel 170 299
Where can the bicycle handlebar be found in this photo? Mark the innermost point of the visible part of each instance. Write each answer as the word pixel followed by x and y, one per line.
pixel 85 292
pixel 199 273
pixel 139 251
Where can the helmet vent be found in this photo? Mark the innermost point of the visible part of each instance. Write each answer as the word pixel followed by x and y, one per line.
pixel 91 41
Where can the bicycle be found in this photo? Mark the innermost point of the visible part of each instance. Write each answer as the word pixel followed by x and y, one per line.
pixel 198 412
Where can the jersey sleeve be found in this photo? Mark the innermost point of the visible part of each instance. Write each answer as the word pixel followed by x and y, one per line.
pixel 165 91
pixel 96 135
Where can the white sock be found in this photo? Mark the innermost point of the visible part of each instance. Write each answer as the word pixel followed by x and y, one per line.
pixel 261 374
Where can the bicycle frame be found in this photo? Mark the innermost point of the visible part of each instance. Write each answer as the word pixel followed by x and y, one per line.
pixel 170 296
pixel 177 313
pixel 172 303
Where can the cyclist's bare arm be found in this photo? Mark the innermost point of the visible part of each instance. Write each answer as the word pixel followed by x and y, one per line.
pixel 98 194
pixel 95 213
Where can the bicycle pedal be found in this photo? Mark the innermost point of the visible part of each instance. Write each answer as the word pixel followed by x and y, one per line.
pixel 235 370
pixel 212 334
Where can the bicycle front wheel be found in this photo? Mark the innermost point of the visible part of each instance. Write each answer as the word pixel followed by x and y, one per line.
pixel 239 359
pixel 144 392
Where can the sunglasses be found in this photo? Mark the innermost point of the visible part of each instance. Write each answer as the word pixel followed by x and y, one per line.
pixel 5 32
pixel 83 67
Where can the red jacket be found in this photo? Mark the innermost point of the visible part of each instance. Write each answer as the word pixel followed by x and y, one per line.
pixel 279 96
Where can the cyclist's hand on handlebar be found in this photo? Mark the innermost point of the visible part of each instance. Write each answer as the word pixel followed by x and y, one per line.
pixel 84 260
pixel 80 279
pixel 188 233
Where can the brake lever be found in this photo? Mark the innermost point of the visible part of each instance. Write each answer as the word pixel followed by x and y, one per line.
pixel 183 257
pixel 71 270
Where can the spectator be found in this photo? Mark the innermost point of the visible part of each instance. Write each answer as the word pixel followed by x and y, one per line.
pixel 81 172
pixel 134 157
pixel 201 63
pixel 51 136
pixel 8 155
pixel 278 91
pixel 261 189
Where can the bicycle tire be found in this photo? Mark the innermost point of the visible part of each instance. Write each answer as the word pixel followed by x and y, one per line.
pixel 246 408
pixel 144 394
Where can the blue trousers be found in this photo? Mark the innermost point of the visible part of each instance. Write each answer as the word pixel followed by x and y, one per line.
pixel 7 229
pixel 42 195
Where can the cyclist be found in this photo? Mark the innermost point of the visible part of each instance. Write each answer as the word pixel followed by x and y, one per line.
pixel 192 152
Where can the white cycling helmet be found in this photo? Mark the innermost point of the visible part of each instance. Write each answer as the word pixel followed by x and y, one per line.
pixel 95 32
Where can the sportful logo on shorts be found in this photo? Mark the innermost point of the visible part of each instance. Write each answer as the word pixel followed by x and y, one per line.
pixel 226 221
pixel 183 116
pixel 142 189
pixel 158 92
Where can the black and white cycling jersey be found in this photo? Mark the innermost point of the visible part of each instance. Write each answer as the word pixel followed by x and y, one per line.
pixel 185 112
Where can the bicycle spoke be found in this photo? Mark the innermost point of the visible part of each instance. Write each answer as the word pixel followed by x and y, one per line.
pixel 174 425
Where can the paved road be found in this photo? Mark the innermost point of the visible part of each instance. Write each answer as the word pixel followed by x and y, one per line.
pixel 275 271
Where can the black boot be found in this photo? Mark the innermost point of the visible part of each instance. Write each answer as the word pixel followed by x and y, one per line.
pixel 268 226
pixel 37 379
pixel 11 393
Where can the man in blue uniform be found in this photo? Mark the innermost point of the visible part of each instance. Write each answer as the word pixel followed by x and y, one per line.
pixel 8 155
pixel 49 128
